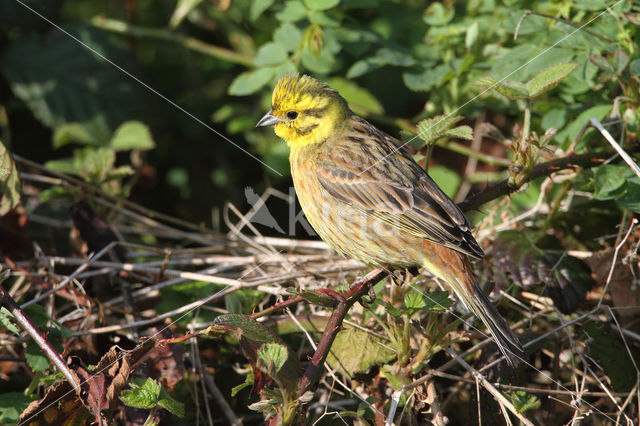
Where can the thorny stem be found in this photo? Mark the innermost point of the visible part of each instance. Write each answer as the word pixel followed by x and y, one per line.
pixel 25 322
pixel 545 169
pixel 351 296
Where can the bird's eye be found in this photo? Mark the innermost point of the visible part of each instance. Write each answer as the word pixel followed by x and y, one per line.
pixel 292 115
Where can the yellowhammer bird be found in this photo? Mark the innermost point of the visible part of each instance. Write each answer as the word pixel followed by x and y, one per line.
pixel 366 197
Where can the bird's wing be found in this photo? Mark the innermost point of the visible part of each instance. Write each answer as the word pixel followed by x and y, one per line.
pixel 368 169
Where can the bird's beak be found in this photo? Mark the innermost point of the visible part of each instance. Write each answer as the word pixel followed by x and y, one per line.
pixel 268 119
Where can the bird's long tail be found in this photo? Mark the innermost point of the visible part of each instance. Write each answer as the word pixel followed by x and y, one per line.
pixel 457 275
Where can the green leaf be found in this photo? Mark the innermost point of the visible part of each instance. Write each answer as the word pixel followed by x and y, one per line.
pixel 10 185
pixel 414 301
pixel 273 356
pixel 80 89
pixel 357 96
pixel 547 79
pixel 321 63
pixel 363 66
pixel 291 12
pixel 248 381
pixel 354 351
pixel 448 180
pixel 67 133
pixel 393 310
pixel 183 7
pixel 6 321
pixel 171 405
pixel 607 180
pixel 437 301
pixel 395 57
pixel 270 54
pixel 510 89
pixel 321 4
pixel 602 63
pixel 259 6
pixel 11 405
pixel 634 67
pixel 36 359
pixel 142 394
pixel 437 15
pixel 430 129
pixel 251 81
pixel 630 199
pixel 522 401
pixel 428 78
pixel 607 347
pixel 472 35
pixel 132 135
pixel 288 36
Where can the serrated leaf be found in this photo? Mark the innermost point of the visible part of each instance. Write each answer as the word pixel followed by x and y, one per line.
pixel 510 89
pixel 437 301
pixel 630 199
pixel 607 180
pixel 602 63
pixel 288 36
pixel 548 78
pixel 132 135
pixel 270 54
pixel 141 395
pixel 355 351
pixel 258 7
pixel 430 129
pixel 522 401
pixel 72 133
pixel 273 355
pixel 171 405
pixel 414 301
pixel 428 78
pixel 321 4
pixel 363 66
pixel 292 11
pixel 36 359
pixel 183 7
pixel 251 81
pixel 394 311
pixel 10 185
pixel 5 321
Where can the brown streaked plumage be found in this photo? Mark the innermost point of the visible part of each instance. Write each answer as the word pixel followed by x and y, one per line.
pixel 366 197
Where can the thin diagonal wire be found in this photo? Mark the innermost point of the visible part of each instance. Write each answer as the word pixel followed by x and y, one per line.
pixel 146 86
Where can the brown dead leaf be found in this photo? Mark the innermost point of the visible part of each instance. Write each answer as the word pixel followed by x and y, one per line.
pixel 99 389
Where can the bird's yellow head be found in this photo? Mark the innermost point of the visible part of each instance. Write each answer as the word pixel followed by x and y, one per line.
pixel 305 111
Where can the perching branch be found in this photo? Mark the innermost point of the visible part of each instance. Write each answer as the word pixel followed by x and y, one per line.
pixel 359 288
pixel 492 192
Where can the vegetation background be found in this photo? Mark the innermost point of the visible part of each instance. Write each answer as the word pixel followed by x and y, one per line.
pixel 155 103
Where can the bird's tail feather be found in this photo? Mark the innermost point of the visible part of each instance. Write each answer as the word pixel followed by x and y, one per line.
pixel 478 303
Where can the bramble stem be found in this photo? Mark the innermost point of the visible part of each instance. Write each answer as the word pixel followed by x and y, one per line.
pixel 359 288
pixel 36 335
